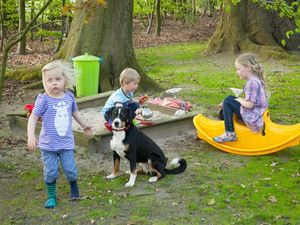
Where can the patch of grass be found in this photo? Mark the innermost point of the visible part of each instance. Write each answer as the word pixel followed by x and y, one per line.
pixel 6 167
pixel 206 80
pixel 231 189
pixel 29 175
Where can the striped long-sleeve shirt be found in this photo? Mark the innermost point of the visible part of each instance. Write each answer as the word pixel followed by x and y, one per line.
pixel 56 114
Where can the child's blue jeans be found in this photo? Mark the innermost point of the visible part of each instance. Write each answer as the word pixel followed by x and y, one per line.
pixel 231 106
pixel 51 164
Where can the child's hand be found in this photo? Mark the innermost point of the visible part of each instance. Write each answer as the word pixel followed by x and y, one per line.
pixel 246 104
pixel 238 99
pixel 138 111
pixel 32 143
pixel 220 105
pixel 143 99
pixel 88 131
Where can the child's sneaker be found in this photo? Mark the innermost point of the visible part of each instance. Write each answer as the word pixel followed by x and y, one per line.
pixel 227 136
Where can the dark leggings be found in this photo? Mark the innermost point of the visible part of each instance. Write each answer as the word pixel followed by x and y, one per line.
pixel 231 106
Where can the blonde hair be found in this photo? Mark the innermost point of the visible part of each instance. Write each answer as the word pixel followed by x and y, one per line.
pixel 66 70
pixel 129 75
pixel 251 60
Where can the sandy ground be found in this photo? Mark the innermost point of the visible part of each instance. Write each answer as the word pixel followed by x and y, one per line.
pixel 93 117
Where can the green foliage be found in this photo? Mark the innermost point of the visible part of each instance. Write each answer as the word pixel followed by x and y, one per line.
pixel 12 18
pixel 175 9
pixel 227 8
pixel 143 8
pixel 48 33
pixel 53 12
pixel 235 2
pixel 288 33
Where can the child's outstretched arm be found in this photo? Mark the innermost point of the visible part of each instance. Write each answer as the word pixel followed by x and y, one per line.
pixel 32 140
pixel 86 128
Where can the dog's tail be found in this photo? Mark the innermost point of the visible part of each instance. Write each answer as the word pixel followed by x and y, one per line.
pixel 181 168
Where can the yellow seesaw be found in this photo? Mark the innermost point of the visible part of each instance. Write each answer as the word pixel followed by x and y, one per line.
pixel 274 138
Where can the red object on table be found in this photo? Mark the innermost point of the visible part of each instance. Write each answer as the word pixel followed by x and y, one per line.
pixel 108 126
pixel 28 108
pixel 143 99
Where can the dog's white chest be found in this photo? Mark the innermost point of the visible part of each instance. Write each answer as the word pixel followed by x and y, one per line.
pixel 116 143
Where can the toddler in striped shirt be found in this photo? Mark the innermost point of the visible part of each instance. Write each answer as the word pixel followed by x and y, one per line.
pixel 56 106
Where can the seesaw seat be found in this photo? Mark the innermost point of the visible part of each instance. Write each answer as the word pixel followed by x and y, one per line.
pixel 276 137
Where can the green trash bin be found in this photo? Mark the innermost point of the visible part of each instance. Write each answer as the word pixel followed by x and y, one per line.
pixel 87 69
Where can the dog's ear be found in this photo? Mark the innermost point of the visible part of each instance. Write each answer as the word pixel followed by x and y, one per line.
pixel 132 114
pixel 108 113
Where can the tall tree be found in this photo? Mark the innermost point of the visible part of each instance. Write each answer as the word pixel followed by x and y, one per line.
pixel 107 34
pixel 63 27
pixel 2 24
pixel 22 24
pixel 158 19
pixel 32 11
pixel 150 18
pixel 250 27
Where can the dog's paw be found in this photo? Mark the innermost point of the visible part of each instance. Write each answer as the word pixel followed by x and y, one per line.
pixel 153 179
pixel 129 184
pixel 111 176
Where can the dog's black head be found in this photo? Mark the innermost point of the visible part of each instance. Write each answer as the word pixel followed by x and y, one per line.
pixel 121 116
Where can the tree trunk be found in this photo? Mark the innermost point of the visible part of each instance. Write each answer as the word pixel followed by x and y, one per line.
pixel 3 26
pixel 151 18
pixel 109 35
pixel 211 7
pixel 67 26
pixel 22 24
pixel 42 27
pixel 31 17
pixel 193 7
pixel 250 27
pixel 158 19
pixel 62 29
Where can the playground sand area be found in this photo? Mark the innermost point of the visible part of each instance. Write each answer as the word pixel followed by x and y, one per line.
pixel 13 145
pixel 94 118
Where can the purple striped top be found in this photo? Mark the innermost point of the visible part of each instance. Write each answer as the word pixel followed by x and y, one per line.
pixel 56 114
pixel 255 92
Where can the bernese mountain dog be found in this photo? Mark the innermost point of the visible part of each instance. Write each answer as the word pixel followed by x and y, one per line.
pixel 130 143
